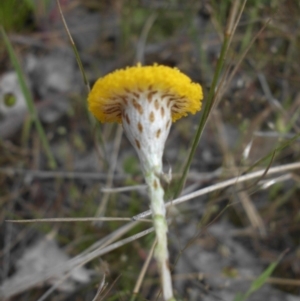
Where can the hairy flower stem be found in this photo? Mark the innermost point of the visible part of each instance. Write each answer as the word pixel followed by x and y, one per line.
pixel 146 100
pixel 156 194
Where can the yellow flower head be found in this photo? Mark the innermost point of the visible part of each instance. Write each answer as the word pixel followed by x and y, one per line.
pixel 112 93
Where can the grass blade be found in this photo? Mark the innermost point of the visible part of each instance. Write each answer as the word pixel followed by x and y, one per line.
pixel 258 282
pixel 79 62
pixel 211 96
pixel 29 100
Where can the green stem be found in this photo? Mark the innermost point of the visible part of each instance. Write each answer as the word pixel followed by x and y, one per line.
pixel 161 254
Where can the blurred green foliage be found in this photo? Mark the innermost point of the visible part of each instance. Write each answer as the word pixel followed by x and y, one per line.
pixel 14 14
pixel 20 15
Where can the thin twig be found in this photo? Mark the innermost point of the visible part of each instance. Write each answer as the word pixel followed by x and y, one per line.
pixel 224 184
pixel 123 189
pixel 229 78
pixel 86 257
pixel 143 271
pixel 251 212
pixel 75 219
pixel 100 288
pixel 268 183
pixel 47 174
pixel 113 164
pixel 143 38
pixel 7 291
pixel 271 134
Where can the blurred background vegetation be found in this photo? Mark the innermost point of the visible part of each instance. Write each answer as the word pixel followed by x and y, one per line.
pixel 254 125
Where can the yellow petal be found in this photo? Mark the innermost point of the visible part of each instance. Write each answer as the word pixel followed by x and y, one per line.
pixel 106 99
